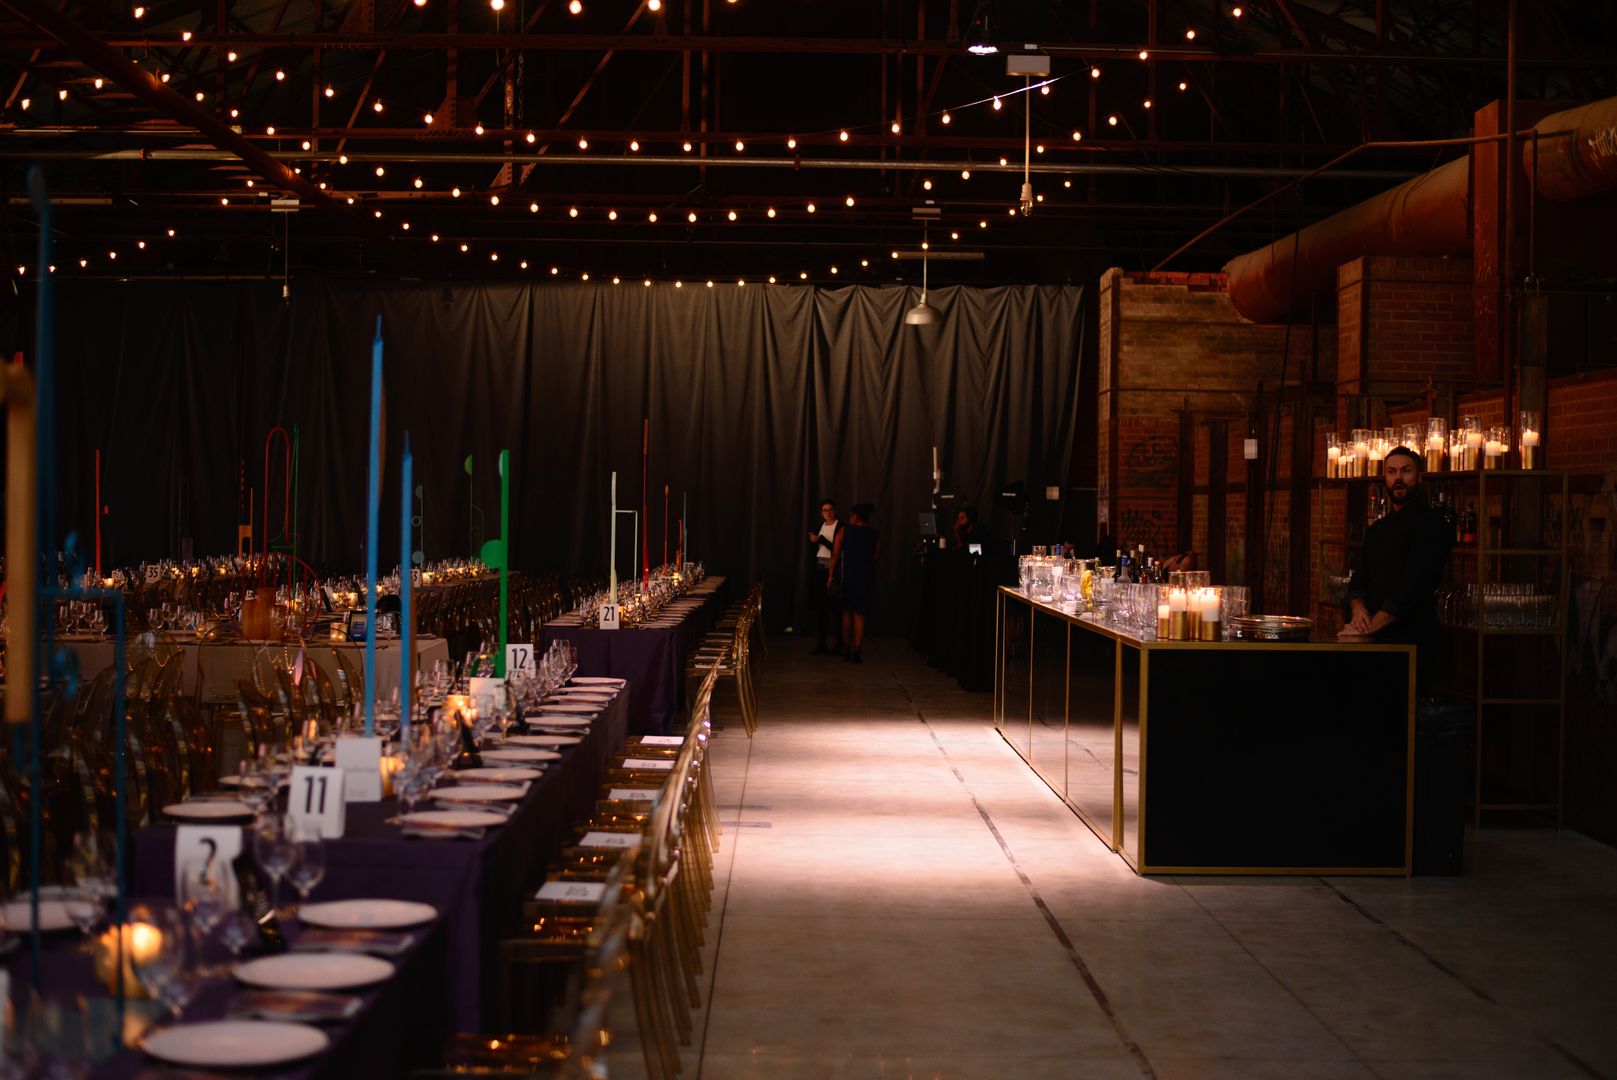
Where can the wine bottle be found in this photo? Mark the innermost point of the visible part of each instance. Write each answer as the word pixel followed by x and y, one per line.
pixel 468 757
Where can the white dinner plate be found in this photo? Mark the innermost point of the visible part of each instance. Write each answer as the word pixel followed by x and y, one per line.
pixel 453 819
pixel 511 774
pixel 546 719
pixel 519 754
pixel 596 680
pixel 531 740
pixel 475 793
pixel 208 810
pixel 565 707
pixel 314 971
pixel 546 740
pixel 54 914
pixel 234 1044
pixel 585 694
pixel 367 914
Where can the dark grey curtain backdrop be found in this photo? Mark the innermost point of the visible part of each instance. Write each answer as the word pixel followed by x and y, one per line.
pixel 762 400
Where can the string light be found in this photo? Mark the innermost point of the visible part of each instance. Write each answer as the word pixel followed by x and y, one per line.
pixel 280 76
pixel 531 139
pixel 1045 90
pixel 686 146
pixel 678 284
pixel 864 262
pixel 791 142
pixel 83 263
pixel 954 236
pixel 772 279
pixel 947 119
pixel 249 181
pixel 576 7
pixel 691 217
pixel 770 212
pixel 732 215
pixel 896 127
pixel 418 182
pixel 164 76
pixel 1236 11
pixel 741 147
pixel 533 208
pixel 1144 55
pixel 141 244
pixel 648 283
pixel 523 264
pixel 376 106
pixel 308 145
pixel 848 200
pixel 842 135
pixel 652 217
pixel 381 170
pixel 61 95
pixel 25 103
pixel 200 95
pixel 1184 86
pixel 99 82
pixel 171 234
pixel 377 214
pixel 741 283
pixel 811 208
pixel 802 275
pixel 230 57
pixel 997 105
pixel 405 226
pixel 185 35
pixel 926 185
pixel 834 270
pixel 651 5
pixel 420 3
pixel 427 118
pixel 1146 103
pixel 554 270
pixel 634 146
pixel 140 12
pixel 1112 120
pixel 224 200
pixel 494 200
pixel 1190 34
pixel 1066 183
pixel 478 130
pixel 497 5
pixel 965 174
pixel 611 215
pixel 983 224
pixel 572 211
pixel 342 159
pixel 454 193
pixel 1003 162
pixel 494 256
pixel 464 249
pixel 112 255
pixel 1094 73
pixel 710 283
pixel 434 238
pixel 1039 148
pixel 583 144
pixel 270 130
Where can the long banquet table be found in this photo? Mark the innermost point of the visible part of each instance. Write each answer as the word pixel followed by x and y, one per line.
pixel 477 886
pixel 211 668
pixel 651 657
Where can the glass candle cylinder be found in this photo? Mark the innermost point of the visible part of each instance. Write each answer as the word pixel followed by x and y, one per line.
pixel 1495 444
pixel 1530 433
pixel 1333 455
pixel 1164 620
pixel 1211 604
pixel 1178 614
pixel 1410 435
pixel 1361 452
pixel 1473 442
pixel 1437 437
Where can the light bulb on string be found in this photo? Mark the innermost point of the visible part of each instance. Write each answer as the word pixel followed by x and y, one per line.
pixel 947 119
pixel 926 185
pixel 418 182
pixel 477 130
pixel 464 248
pixel 583 144
pixel 494 200
pixel 740 146
pixel 83 263
pixel 201 96
pixel 811 208
pixel 141 244
pixel 1112 120
pixel 426 118
pixel 1066 183
pixel 834 270
pixel 983 224
pixel 576 7
pixel 377 214
pixel 611 215
pixel 685 146
pixel 732 215
pixel 497 5
pixel 678 284
pixel 997 105
pixel 140 12
pixel 1038 148
pixel 1236 11
pixel 405 225
pixel 280 76
pixel 1144 55
pixel 710 283
pixel 61 95
pixel 99 82
pixel 249 181
pixel 843 135
pixel 376 106
pixel 25 102
pixel 1190 33
pixel 1146 103
pixel 648 283
pixel 1045 90
pixel 235 114
pixel 342 159
pixel 770 213
pixel 270 130
pixel 965 174
pixel 802 275
pixel 494 256
pixel 691 217
pixel 954 236
pixel 772 279
pixel 848 201
pixel 791 142
pixel 531 138
pixel 652 217
pixel 616 280
pixel 1184 86
pixel 572 211
pixel 171 234
pixel 554 270
pixel 381 170
pixel 230 57
pixel 864 263
pixel 307 145
pixel 741 282
pixel 533 208
pixel 634 146
pixel 1003 162
pixel 1094 73
pixel 523 264
pixel 584 276
pixel 164 77
pixel 651 5
pixel 454 193
pixel 896 127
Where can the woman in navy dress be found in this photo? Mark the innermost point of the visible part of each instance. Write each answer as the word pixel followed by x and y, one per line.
pixel 853 562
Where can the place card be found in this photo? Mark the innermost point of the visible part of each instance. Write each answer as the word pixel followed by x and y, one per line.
pixel 360 759
pixel 518 660
pixel 196 846
pixel 610 840
pixel 316 795
pixel 662 740
pixel 484 686
pixel 630 794
pixel 585 892
pixel 662 764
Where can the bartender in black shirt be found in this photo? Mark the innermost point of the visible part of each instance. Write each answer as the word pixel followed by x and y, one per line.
pixel 1390 596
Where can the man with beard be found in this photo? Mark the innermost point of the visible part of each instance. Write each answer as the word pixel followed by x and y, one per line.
pixel 1390 596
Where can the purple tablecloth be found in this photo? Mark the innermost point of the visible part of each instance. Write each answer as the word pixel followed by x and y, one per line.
pixel 477 886
pixel 651 658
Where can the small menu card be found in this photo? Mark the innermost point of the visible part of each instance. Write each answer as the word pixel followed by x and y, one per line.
pixel 360 759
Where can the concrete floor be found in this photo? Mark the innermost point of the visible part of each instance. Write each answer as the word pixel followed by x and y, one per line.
pixel 899 896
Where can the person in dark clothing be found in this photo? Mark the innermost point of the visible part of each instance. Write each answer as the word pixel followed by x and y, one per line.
pixel 1391 594
pixel 853 562
pixel 827 611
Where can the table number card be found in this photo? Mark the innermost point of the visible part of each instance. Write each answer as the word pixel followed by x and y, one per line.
pixel 609 616
pixel 360 760
pixel 316 795
pixel 578 892
pixel 518 660
pixel 196 846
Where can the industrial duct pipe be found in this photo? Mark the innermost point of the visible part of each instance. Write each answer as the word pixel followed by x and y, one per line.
pixel 1429 215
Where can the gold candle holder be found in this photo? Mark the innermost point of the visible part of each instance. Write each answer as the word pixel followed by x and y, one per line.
pixel 1164 622
pixel 1208 629
pixel 1530 436
pixel 1193 625
pixel 1178 626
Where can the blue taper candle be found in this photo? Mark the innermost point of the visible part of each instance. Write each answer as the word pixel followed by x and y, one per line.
pixel 372 526
pixel 406 646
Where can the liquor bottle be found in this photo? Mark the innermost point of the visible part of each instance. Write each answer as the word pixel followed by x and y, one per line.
pixel 1124 571
pixel 1139 564
pixel 1468 526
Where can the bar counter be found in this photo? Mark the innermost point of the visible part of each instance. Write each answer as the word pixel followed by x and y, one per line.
pixel 1216 757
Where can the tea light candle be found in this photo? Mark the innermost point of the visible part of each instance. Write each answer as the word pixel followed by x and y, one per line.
pixel 141 941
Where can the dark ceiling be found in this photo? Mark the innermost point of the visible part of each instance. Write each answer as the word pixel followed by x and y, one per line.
pixel 190 116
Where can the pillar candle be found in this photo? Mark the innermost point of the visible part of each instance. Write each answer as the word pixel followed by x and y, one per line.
pixel 1529 449
pixel 1333 460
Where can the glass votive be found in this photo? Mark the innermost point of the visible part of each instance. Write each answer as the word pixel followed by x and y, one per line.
pixel 1410 435
pixel 1473 429
pixel 1361 452
pixel 1177 602
pixel 1208 603
pixel 1495 445
pixel 1333 455
pixel 1437 437
pixel 1530 432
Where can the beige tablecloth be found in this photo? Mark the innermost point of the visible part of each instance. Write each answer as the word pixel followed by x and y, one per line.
pixel 212 668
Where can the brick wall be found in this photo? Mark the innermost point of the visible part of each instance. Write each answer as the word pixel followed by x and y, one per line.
pixel 1171 342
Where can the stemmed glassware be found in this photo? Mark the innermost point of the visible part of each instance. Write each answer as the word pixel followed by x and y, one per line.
pixel 204 900
pixel 163 965
pixel 275 850
pixel 309 867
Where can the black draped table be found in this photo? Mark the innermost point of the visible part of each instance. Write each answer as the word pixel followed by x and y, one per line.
pixel 652 657
pixel 477 886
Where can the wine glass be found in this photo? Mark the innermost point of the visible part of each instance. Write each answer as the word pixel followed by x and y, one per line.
pixel 237 930
pixel 309 868
pixel 160 960
pixel 275 851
